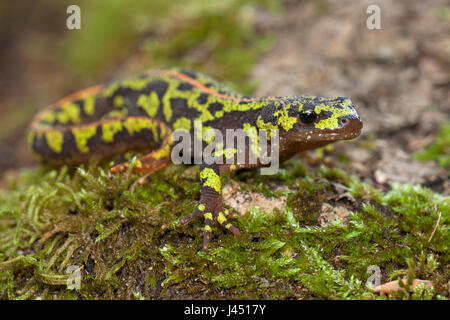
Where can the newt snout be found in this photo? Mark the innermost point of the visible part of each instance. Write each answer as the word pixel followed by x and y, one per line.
pixel 350 127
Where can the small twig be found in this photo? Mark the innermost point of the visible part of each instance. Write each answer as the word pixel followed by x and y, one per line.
pixel 435 227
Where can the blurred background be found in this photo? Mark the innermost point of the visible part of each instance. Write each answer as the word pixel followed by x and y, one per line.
pixel 397 76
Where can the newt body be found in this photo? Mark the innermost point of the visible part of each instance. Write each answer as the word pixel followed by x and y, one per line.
pixel 141 112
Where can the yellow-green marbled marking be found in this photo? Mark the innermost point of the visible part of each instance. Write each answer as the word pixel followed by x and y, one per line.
pixel 89 105
pixel 69 113
pixel 212 179
pixel 55 140
pixel 208 215
pixel 332 121
pixel 149 103
pixel 82 136
pixel 109 129
pixel 221 218
pixel 182 123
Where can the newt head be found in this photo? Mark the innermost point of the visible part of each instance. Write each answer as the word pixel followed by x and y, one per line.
pixel 308 122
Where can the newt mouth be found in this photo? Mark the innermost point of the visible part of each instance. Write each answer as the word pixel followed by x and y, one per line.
pixel 349 128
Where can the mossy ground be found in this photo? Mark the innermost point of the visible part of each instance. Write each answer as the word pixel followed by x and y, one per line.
pixel 125 237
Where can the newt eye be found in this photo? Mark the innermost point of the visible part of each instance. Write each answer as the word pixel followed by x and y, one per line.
pixel 308 117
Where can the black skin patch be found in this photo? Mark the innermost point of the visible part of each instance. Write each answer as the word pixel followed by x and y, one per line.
pixel 268 114
pixel 215 106
pixel 124 91
pixel 183 110
pixel 203 98
pixel 179 104
pixel 189 73
pixel 184 86
pixel 325 114
pixel 158 86
pixel 129 101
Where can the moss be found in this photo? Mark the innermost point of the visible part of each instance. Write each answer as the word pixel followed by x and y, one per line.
pixel 125 238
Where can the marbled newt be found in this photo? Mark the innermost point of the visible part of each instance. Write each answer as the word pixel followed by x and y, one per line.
pixel 139 114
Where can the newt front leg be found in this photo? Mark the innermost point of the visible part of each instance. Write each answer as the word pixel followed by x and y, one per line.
pixel 210 205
